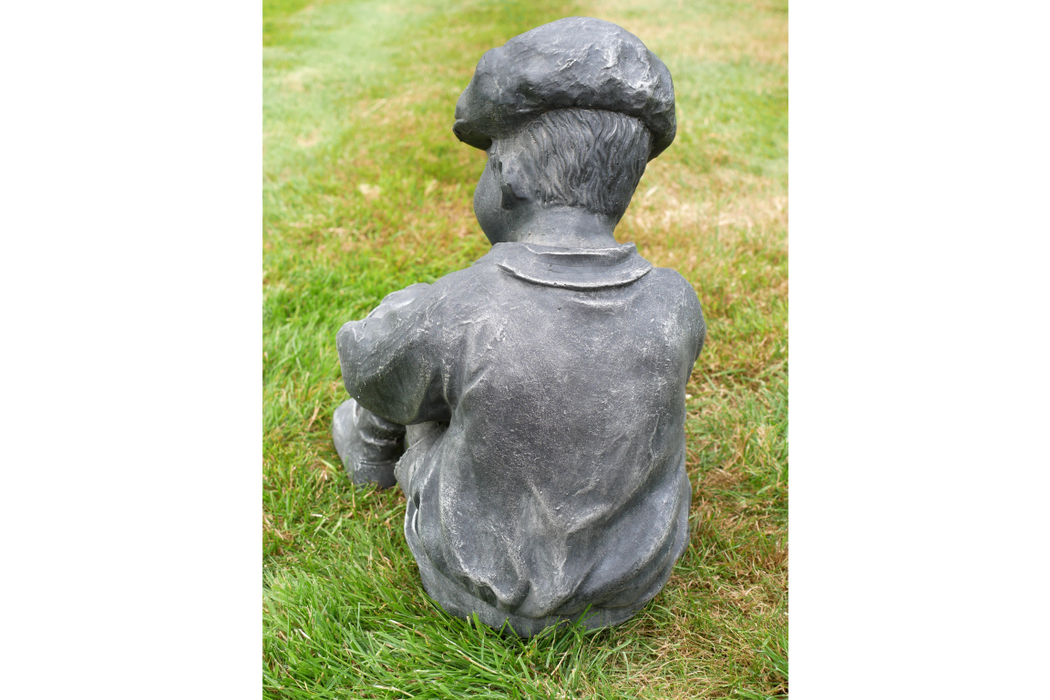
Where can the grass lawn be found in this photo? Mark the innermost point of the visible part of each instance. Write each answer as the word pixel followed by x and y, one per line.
pixel 366 190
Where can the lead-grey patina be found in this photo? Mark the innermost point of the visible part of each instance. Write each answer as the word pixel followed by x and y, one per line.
pixel 543 388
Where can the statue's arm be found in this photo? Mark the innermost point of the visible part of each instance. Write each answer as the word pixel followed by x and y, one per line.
pixel 391 360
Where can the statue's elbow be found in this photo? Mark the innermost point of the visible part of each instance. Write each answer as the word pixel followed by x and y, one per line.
pixel 347 346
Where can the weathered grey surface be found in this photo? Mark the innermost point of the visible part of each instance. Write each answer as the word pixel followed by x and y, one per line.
pixel 576 62
pixel 543 387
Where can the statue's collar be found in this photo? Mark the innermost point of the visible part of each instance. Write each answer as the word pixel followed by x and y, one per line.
pixel 570 268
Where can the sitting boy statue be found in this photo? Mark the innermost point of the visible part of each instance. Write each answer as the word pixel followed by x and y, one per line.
pixel 543 388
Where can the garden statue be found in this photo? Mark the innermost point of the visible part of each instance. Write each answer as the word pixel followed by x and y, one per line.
pixel 532 406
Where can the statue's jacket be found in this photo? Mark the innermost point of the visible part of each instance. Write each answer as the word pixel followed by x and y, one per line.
pixel 544 388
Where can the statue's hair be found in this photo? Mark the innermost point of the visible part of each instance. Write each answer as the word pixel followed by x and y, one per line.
pixel 574 157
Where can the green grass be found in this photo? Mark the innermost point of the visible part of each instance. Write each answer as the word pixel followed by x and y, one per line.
pixel 366 190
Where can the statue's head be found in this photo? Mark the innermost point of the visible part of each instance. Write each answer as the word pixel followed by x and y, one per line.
pixel 569 113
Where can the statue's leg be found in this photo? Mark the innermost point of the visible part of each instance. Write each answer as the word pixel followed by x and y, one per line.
pixel 369 446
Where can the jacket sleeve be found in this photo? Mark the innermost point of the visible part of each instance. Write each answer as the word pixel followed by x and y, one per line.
pixel 391 360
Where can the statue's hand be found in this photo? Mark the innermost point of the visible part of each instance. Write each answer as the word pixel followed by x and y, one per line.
pixel 368 445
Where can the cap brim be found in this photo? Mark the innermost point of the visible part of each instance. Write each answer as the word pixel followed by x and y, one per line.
pixel 470 137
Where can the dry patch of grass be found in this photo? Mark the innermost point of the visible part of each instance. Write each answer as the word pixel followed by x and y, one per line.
pixel 752 31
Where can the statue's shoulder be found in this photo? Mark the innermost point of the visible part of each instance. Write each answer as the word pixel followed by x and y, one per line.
pixel 671 277
pixel 463 289
pixel 676 290
pixel 478 271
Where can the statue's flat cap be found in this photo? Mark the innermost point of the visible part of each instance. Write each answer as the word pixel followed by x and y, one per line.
pixel 576 62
